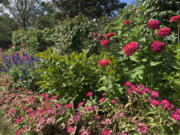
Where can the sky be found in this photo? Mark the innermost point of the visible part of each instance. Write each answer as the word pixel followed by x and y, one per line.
pixel 127 1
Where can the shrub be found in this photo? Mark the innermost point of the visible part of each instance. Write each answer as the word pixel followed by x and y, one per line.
pixel 30 39
pixel 71 34
pixel 74 74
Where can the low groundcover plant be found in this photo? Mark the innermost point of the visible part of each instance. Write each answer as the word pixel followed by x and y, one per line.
pixel 144 112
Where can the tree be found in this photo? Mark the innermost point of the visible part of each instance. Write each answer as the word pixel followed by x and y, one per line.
pixel 90 8
pixel 23 11
pixel 7 26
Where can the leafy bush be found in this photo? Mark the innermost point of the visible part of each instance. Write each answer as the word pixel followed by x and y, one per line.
pixel 74 74
pixel 71 34
pixel 30 39
pixel 143 112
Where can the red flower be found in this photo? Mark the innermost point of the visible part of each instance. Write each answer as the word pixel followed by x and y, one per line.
pixel 175 19
pixel 153 24
pixel 102 99
pixel 89 94
pixel 69 106
pixel 19 131
pixel 176 115
pixel 108 35
pixel 104 62
pixel 127 22
pixel 94 34
pixel 104 42
pixel 106 132
pixel 70 129
pixel 130 48
pixel 157 46
pixel 154 102
pixel 163 32
pixel 113 101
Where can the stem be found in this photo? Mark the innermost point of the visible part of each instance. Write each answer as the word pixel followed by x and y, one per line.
pixel 178 32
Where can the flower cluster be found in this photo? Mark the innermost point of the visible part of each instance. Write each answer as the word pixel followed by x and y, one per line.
pixel 176 114
pixel 130 48
pixel 141 89
pixel 175 19
pixel 17 59
pixel 35 113
pixel 104 62
pixel 153 24
pixel 157 46
pixel 163 32
pixel 127 22
pixel 103 39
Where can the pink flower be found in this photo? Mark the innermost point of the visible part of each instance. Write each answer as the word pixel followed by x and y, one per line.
pixel 176 115
pixel 123 134
pixel 154 102
pixel 69 106
pixel 80 104
pixel 85 132
pixel 166 104
pixel 128 84
pixel 107 122
pixel 45 97
pixel 155 94
pixel 130 48
pixel 89 108
pixel 19 131
pixel 113 101
pixel 121 114
pixel 163 32
pixel 175 19
pixel 142 128
pixel 106 132
pixel 94 34
pixel 153 24
pixel 97 117
pixel 104 62
pixel 19 120
pixel 102 99
pixel 157 46
pixel 100 36
pixel 89 94
pixel 104 42
pixel 70 129
pixel 108 35
pixel 127 22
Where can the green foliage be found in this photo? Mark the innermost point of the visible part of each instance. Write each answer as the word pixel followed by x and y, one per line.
pixel 30 40
pixel 71 34
pixel 89 8
pixel 72 75
pixel 7 26
pixel 5 126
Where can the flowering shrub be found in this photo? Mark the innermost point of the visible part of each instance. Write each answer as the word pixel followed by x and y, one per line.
pixel 74 74
pixel 94 115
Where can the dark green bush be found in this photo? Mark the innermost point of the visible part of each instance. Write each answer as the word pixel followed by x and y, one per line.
pixel 71 34
pixel 30 39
